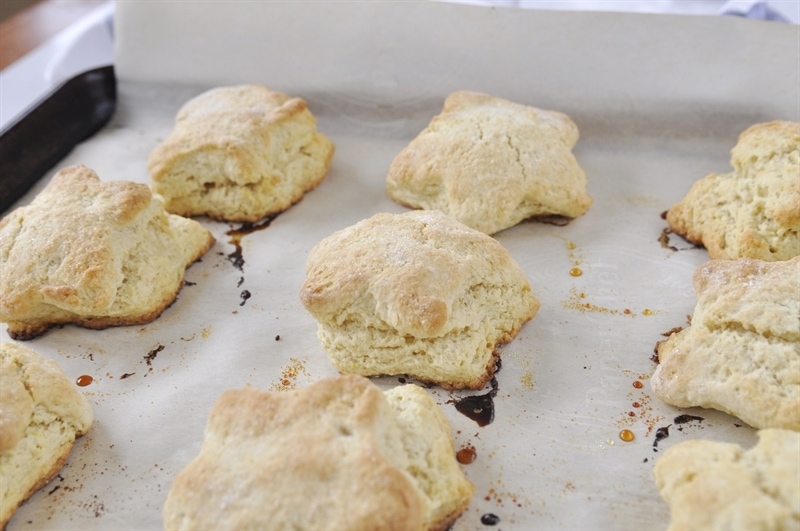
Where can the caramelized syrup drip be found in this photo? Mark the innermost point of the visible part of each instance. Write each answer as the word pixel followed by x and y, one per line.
pixel 661 434
pixel 683 419
pixel 84 380
pixel 236 235
pixel 576 271
pixel 637 384
pixel 244 295
pixel 490 519
pixel 480 408
pixel 647 312
pixel 626 435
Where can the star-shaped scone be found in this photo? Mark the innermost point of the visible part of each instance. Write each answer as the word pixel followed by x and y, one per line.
pixel 492 163
pixel 741 353
pixel 416 294
pixel 753 211
pixel 92 253
pixel 719 486
pixel 339 455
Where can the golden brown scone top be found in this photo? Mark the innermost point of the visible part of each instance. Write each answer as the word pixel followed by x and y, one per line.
pixel 92 253
pixel 753 211
pixel 492 163
pixel 233 119
pixel 329 456
pixel 414 265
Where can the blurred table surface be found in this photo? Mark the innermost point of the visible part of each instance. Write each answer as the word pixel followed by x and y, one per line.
pixel 34 25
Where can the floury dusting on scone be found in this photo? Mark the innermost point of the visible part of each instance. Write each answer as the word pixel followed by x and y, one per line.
pixel 239 153
pixel 492 163
pixel 417 294
pixel 92 253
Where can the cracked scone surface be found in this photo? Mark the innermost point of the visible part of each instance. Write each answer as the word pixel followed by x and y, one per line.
pixel 239 153
pixel 753 211
pixel 92 253
pixel 339 454
pixel 741 353
pixel 417 294
pixel 714 485
pixel 492 163
pixel 41 415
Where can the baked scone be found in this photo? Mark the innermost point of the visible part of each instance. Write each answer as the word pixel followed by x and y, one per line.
pixel 753 211
pixel 418 294
pixel 714 485
pixel 92 253
pixel 741 354
pixel 492 163
pixel 41 415
pixel 339 454
pixel 239 153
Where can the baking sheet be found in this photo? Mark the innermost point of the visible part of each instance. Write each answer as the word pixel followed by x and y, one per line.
pixel 656 112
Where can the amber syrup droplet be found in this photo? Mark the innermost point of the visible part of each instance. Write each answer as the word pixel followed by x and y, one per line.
pixel 466 455
pixel 631 413
pixel 626 435
pixel 647 312
pixel 637 384
pixel 626 311
pixel 570 245
pixel 636 404
pixel 84 380
pixel 575 272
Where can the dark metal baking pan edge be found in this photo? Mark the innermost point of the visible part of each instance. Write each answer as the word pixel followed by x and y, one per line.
pixel 68 115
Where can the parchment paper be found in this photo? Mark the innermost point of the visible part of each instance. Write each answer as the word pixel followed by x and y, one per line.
pixel 660 100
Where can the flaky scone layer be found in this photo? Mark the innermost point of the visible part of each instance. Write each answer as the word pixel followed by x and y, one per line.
pixel 741 353
pixel 239 153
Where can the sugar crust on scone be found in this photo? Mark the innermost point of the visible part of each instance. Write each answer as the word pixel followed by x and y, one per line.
pixel 753 211
pixel 239 153
pixel 492 163
pixel 92 253
pixel 418 294
pixel 41 415
pixel 720 486
pixel 339 454
pixel 741 354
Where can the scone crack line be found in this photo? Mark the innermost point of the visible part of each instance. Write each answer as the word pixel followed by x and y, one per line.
pixel 746 328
